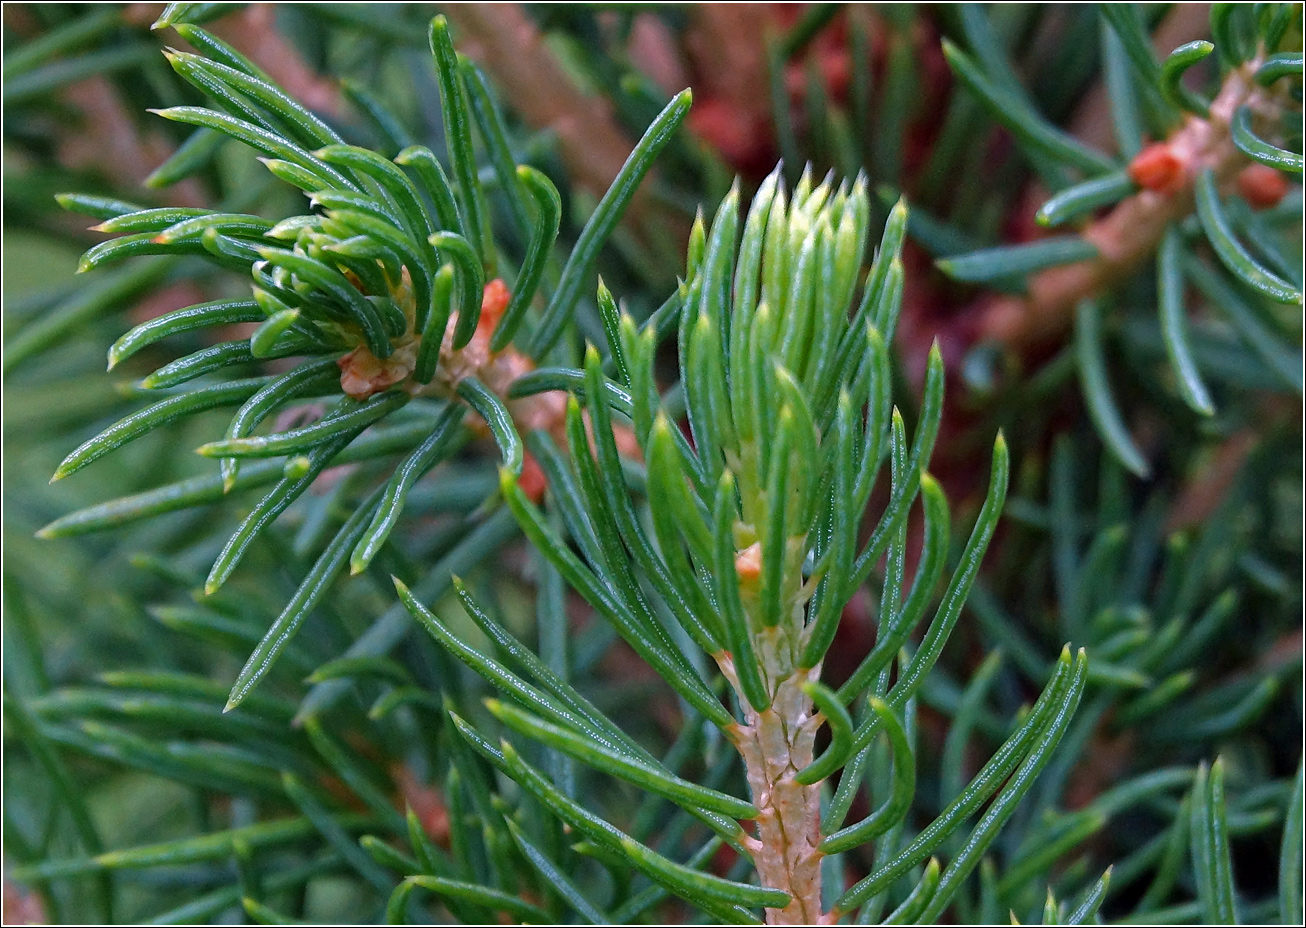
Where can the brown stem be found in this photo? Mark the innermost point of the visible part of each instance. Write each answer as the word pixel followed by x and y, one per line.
pixel 503 40
pixel 1093 120
pixel 1207 487
pixel 109 141
pixel 254 33
pixel 1202 495
pixel 654 51
pixel 1131 232
pixel 726 44
pixel 22 906
pixel 776 745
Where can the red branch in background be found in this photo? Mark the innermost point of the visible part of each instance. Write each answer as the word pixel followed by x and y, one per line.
pixel 726 50
pixel 1130 233
pixel 253 32
pixel 503 40
pixel 22 906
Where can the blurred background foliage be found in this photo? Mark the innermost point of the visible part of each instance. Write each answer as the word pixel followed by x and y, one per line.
pixel 1165 538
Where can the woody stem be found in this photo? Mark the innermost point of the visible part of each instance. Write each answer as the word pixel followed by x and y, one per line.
pixel 1130 232
pixel 776 744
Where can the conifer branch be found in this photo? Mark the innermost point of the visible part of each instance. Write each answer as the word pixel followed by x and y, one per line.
pixel 1132 231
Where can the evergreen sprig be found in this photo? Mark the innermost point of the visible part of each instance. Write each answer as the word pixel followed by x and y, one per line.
pixel 753 551
pixel 366 284
pixel 1206 151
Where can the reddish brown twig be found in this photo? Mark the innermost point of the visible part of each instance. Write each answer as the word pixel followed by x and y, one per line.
pixel 1130 232
pixel 503 40
pixel 109 141
pixel 252 31
pixel 726 45
pixel 1203 494
pixel 21 905
pixel 1092 122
